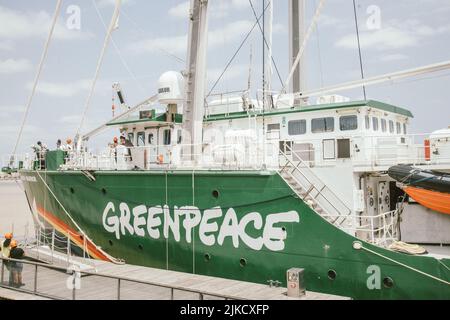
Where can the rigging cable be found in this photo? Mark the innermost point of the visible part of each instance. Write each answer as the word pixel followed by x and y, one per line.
pixel 267 45
pixel 111 28
pixel 359 48
pixel 319 52
pixel 36 79
pixel 125 64
pixel 303 46
pixel 237 51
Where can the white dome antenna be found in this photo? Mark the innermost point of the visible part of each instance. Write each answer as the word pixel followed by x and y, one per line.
pixel 171 88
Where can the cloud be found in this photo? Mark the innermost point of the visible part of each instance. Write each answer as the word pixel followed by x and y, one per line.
pixel 232 72
pixel 181 10
pixel 12 66
pixel 106 3
pixel 62 90
pixel 25 25
pixel 178 44
pixel 6 46
pixel 393 35
pixel 394 57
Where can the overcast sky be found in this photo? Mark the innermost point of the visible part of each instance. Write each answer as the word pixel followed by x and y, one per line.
pixel 152 38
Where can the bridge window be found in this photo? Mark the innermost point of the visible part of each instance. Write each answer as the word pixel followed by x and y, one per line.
pixel 296 127
pixel 375 123
pixel 141 139
pixel 383 125
pixel 347 123
pixel 367 122
pixel 322 125
pixel 399 128
pixel 131 137
pixel 404 128
pixel 391 126
pixel 167 137
pixel 150 138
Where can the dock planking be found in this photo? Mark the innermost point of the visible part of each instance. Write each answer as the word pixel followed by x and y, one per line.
pixel 145 283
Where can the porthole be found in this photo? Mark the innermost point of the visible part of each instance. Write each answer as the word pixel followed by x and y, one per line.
pixel 72 190
pixel 104 191
pixel 388 282
pixel 110 242
pixel 207 257
pixel 243 262
pixel 331 274
pixel 215 194
pixel 141 247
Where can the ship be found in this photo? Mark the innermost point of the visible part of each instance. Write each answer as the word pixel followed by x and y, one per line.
pixel 247 188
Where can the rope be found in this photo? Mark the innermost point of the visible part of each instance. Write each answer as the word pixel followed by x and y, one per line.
pixel 73 221
pixel 303 47
pixel 267 45
pixel 237 51
pixel 111 28
pixel 359 49
pixel 116 47
pixel 406 266
pixel 36 79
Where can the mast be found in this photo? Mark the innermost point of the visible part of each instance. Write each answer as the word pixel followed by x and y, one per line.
pixel 296 37
pixel 193 111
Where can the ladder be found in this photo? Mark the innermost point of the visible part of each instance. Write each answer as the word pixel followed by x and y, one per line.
pixel 312 190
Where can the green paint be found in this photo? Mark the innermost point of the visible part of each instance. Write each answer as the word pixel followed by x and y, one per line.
pixel 313 243
pixel 299 109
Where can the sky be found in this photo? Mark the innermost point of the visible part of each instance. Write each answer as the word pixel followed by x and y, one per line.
pixel 152 38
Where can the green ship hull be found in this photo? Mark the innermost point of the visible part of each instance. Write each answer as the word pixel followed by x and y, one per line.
pixel 257 228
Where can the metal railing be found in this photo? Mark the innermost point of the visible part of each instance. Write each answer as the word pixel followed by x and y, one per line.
pixel 312 187
pixel 68 283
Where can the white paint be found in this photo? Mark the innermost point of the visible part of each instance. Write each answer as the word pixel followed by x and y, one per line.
pixel 142 221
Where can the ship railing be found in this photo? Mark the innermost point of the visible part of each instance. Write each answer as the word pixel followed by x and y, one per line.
pixel 312 187
pixel 70 283
pixel 374 151
pixel 230 156
pixel 381 229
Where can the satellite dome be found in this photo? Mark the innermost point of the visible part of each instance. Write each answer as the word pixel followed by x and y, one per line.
pixel 171 88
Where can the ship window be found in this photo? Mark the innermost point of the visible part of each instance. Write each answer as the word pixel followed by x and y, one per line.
pixel 179 137
pixel 399 128
pixel 404 128
pixel 150 138
pixel 131 137
pixel 343 148
pixel 273 127
pixel 375 124
pixel 391 126
pixel 329 151
pixel 322 125
pixel 141 139
pixel 383 125
pixel 367 123
pixel 296 127
pixel 167 137
pixel 347 123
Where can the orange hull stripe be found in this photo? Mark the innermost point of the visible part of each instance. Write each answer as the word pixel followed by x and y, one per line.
pixel 74 235
pixel 437 201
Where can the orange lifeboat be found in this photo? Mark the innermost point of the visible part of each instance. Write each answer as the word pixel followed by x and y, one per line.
pixel 437 201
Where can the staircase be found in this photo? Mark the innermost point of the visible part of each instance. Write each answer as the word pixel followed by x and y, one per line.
pixel 313 191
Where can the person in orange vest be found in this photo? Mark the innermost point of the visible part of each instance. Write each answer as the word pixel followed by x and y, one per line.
pixel 5 245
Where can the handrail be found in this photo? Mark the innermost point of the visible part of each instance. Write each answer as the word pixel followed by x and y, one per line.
pixel 69 270
pixel 306 167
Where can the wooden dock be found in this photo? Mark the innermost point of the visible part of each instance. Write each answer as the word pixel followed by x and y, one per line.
pixel 108 281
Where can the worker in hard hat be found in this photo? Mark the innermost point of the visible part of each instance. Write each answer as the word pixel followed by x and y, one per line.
pixel 16 253
pixel 5 245
pixel 69 145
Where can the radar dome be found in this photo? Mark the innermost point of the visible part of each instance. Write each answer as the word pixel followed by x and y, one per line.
pixel 171 88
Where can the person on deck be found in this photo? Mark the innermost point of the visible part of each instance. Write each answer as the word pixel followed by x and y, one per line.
pixel 127 143
pixel 5 247
pixel 16 266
